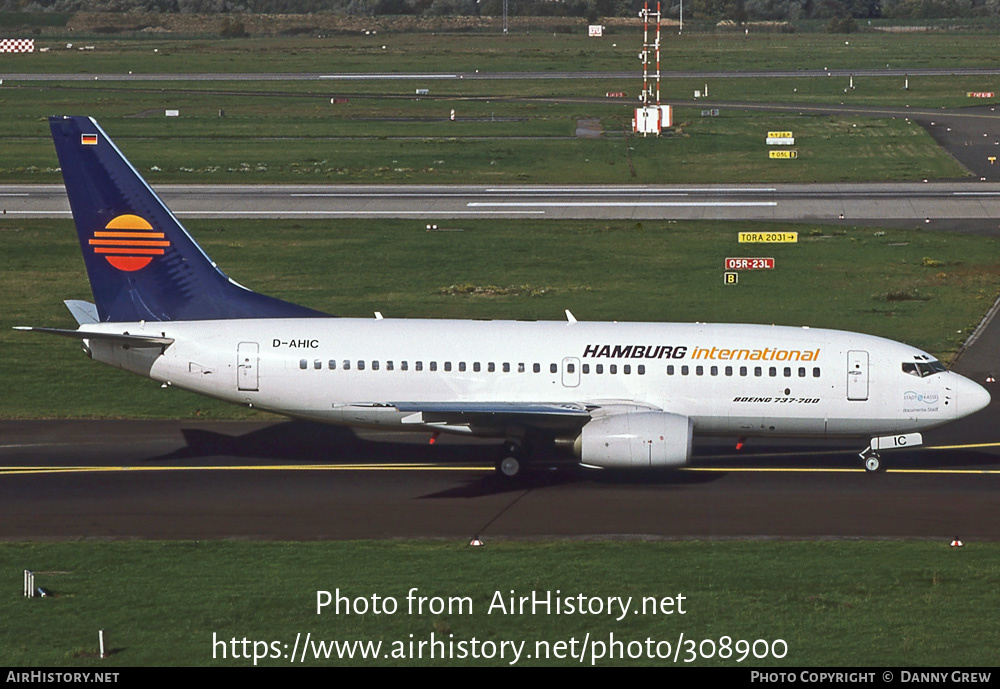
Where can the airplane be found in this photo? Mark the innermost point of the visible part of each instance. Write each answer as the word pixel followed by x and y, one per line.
pixel 624 395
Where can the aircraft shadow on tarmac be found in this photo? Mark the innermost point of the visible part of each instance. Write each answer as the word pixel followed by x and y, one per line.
pixel 302 443
pixel 552 475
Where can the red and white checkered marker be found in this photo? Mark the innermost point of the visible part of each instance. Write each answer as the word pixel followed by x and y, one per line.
pixel 17 45
pixel 956 543
pixel 475 542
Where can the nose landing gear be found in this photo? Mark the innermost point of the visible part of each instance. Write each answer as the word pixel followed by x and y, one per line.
pixel 873 461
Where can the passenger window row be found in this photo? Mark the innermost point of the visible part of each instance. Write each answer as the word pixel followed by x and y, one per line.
pixel 586 369
pixel 744 371
pixel 462 367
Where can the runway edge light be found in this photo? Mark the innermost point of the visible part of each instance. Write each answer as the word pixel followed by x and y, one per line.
pixel 476 542
pixel 957 543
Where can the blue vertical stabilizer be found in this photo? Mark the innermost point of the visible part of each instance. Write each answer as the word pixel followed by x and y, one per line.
pixel 142 263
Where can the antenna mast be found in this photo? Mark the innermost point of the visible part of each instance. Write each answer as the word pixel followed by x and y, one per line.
pixel 650 116
pixel 650 93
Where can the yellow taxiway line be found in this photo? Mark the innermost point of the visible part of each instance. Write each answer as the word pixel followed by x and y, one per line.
pixel 413 466
pixel 250 467
pixel 28 470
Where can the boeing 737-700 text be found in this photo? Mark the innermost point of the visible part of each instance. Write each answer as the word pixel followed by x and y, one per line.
pixel 623 395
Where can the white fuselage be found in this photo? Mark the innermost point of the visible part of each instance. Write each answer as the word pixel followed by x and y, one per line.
pixel 746 380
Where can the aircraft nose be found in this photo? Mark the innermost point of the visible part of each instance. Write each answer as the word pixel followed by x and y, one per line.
pixel 973 397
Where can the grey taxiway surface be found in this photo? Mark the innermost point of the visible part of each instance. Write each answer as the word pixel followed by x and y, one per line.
pixel 285 480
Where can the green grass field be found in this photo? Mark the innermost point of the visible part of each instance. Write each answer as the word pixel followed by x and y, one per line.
pixel 200 149
pixel 521 50
pixel 510 130
pixel 874 604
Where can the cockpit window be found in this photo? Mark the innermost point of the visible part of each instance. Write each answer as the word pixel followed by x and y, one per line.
pixel 922 369
pixel 935 366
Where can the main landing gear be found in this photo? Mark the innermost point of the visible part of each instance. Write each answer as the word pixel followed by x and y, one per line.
pixel 511 461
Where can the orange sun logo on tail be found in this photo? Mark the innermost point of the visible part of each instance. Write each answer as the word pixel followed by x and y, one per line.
pixel 129 242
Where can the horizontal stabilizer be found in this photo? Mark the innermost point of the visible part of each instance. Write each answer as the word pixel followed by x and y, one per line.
pixel 117 338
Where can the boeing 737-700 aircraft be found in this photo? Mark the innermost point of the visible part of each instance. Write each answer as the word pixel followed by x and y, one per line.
pixel 623 395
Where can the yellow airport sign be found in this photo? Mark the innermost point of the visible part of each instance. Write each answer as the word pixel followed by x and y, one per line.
pixel 768 237
pixel 779 135
pixel 782 155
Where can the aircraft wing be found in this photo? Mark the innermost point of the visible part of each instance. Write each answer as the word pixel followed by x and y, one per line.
pixel 451 411
pixel 539 414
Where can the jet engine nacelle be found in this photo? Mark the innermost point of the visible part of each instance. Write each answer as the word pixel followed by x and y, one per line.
pixel 636 440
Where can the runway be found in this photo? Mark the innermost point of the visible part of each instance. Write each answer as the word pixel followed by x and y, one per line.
pixel 973 207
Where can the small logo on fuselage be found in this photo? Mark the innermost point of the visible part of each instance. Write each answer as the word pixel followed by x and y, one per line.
pixel 925 397
pixel 920 402
pixel 129 243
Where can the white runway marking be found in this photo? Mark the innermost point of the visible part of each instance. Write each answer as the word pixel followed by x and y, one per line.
pixel 632 190
pixel 44 213
pixel 622 204
pixel 392 214
pixel 275 214
pixel 393 76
